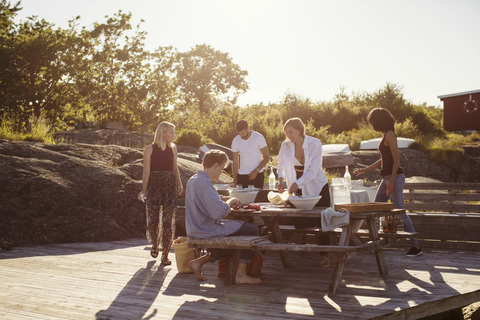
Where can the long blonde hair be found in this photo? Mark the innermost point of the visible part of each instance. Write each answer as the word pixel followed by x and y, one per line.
pixel 158 139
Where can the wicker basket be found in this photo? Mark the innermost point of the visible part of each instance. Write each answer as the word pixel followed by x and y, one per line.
pixel 183 254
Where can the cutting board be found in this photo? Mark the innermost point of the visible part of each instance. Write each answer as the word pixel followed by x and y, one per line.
pixel 283 209
pixel 364 207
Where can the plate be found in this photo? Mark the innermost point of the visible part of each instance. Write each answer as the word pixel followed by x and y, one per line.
pixel 271 205
pixel 244 210
pixel 244 190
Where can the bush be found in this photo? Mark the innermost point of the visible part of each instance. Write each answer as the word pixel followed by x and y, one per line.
pixel 407 129
pixel 189 137
pixel 39 130
pixel 7 131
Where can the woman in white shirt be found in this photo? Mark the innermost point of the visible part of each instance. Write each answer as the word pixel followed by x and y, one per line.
pixel 300 163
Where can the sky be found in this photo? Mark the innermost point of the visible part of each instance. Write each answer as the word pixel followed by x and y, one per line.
pixel 310 48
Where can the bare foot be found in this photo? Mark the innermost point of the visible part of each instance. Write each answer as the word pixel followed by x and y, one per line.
pixel 196 267
pixel 244 279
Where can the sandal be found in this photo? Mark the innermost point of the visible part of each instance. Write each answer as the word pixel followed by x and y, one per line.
pixel 165 261
pixel 154 252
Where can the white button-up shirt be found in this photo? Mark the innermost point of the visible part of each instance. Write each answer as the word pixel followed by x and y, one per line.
pixel 313 179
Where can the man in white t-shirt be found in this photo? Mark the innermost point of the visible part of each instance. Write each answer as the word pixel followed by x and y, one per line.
pixel 250 155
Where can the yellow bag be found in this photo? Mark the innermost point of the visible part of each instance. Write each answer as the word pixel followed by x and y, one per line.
pixel 183 254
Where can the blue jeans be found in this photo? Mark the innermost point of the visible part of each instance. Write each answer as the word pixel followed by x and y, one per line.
pixel 397 199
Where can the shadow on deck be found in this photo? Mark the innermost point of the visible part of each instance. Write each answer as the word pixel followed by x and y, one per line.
pixel 119 280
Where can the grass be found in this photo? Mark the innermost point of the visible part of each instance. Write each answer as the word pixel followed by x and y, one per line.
pixel 39 130
pixel 448 149
pixel 5 244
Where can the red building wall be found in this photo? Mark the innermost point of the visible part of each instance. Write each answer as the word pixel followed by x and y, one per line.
pixel 461 112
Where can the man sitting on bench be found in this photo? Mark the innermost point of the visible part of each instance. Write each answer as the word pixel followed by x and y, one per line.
pixel 204 210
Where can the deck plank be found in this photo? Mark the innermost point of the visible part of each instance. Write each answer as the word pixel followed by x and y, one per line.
pixel 119 280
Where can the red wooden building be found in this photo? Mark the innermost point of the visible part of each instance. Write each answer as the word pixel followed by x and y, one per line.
pixel 461 111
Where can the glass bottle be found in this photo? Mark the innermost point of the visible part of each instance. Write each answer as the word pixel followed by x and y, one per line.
pixel 348 177
pixel 271 180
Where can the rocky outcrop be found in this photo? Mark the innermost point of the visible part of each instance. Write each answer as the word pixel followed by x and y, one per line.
pixel 105 136
pixel 414 162
pixel 74 192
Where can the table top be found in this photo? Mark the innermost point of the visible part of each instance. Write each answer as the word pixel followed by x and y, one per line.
pixel 269 210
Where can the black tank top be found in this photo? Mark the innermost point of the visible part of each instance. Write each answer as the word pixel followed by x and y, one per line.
pixel 161 160
pixel 387 159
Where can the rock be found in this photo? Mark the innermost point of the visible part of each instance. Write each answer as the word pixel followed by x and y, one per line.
pixel 105 137
pixel 74 192
pixel 414 162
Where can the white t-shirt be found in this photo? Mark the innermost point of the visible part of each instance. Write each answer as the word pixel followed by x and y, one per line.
pixel 250 154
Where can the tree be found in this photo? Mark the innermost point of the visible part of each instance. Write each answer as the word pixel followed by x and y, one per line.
pixel 205 76
pixel 35 79
pixel 161 90
pixel 8 74
pixel 115 82
pixel 391 98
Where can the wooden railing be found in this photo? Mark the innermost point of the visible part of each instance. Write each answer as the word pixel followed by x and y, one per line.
pixel 457 197
pixel 447 215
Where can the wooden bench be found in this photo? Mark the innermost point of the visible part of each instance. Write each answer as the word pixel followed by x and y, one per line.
pixel 290 232
pixel 447 215
pixel 331 253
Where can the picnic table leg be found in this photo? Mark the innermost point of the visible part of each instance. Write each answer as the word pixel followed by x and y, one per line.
pixel 232 268
pixel 338 269
pixel 379 256
pixel 278 238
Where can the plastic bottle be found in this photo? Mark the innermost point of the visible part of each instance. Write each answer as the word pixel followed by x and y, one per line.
pixel 271 180
pixel 348 177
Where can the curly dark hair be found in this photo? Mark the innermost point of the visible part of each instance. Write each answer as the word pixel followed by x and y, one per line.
pixel 381 120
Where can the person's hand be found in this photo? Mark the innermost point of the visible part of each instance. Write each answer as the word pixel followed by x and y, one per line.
pixel 180 189
pixel 358 171
pixel 141 196
pixel 233 184
pixel 253 175
pixel 390 188
pixel 293 188
pixel 280 186
pixel 234 203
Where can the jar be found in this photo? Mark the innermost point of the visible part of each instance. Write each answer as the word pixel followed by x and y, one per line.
pixel 340 191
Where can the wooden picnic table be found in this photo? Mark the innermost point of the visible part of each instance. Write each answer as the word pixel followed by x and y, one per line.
pixel 272 214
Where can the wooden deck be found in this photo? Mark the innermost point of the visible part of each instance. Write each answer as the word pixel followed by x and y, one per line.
pixel 119 280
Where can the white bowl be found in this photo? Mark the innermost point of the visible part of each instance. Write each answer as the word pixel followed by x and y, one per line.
pixel 245 197
pixel 221 186
pixel 304 202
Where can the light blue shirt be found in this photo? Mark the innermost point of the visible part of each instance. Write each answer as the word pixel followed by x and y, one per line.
pixel 204 210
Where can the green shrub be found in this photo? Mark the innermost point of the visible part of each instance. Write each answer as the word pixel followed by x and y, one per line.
pixel 6 244
pixel 189 137
pixel 38 130
pixel 7 131
pixel 407 129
